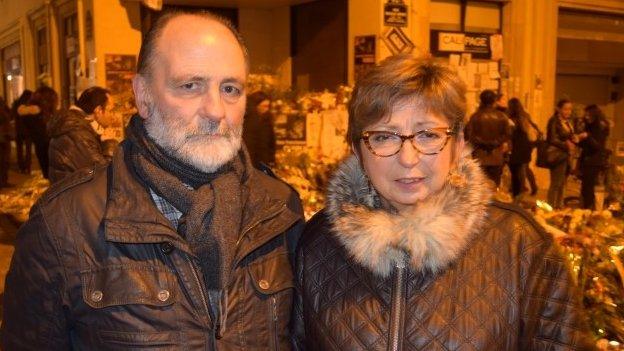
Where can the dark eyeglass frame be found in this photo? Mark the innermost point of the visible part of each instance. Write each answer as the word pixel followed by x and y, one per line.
pixel 367 134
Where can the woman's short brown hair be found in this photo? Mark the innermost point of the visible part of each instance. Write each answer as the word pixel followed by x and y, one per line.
pixel 400 78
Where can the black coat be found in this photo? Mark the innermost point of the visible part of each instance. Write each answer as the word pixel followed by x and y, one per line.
pixel 98 267
pixel 73 144
pixel 461 273
pixel 259 138
pixel 593 148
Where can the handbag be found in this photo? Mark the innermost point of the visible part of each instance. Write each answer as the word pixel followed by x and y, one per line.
pixel 549 156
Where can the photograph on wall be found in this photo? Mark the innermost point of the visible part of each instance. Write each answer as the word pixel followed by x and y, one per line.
pixel 364 55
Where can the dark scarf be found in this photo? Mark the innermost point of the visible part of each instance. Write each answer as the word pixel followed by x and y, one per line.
pixel 212 210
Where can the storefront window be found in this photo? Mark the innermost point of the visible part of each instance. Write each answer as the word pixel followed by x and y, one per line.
pixel 69 58
pixel 13 81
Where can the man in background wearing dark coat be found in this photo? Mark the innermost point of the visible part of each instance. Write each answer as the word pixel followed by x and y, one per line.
pixel 76 135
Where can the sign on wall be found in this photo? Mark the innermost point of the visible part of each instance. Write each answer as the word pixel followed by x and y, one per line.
pixel 477 44
pixel 395 13
pixel 397 42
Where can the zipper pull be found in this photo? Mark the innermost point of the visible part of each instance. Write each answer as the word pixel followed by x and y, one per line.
pixel 274 300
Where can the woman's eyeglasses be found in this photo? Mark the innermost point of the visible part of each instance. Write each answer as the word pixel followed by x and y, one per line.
pixel 427 142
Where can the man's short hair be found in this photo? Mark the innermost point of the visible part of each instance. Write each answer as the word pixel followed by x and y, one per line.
pixel 488 98
pixel 148 44
pixel 92 98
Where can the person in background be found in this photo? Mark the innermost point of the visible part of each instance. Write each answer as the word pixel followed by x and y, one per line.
pixel 178 243
pixel 488 131
pixel 23 141
pixel 594 153
pixel 258 131
pixel 76 134
pixel 411 252
pixel 35 116
pixel 560 134
pixel 523 139
pixel 5 143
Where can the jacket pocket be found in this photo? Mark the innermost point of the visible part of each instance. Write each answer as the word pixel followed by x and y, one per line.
pixel 127 285
pixel 133 307
pixel 140 340
pixel 273 280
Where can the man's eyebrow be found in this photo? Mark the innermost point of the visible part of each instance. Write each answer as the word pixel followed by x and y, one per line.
pixel 233 80
pixel 175 81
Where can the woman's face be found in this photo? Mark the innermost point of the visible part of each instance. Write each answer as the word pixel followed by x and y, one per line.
pixel 565 111
pixel 408 177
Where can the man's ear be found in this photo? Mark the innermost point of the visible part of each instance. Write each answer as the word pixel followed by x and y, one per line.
pixel 139 85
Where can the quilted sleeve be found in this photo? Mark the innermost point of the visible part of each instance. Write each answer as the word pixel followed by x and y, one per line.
pixel 552 317
pixel 33 316
pixel 298 326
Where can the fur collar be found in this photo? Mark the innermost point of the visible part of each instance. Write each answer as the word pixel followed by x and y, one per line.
pixel 431 239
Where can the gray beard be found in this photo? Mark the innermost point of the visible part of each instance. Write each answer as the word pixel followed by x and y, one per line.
pixel 206 146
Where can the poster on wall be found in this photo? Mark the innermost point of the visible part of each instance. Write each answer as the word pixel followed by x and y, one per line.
pixel 119 72
pixel 364 55
pixel 395 13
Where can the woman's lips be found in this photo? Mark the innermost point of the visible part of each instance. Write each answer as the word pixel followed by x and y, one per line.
pixel 411 183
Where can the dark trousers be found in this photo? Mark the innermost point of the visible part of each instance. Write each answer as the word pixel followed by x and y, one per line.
pixel 5 155
pixel 518 176
pixel 589 178
pixel 531 178
pixel 24 153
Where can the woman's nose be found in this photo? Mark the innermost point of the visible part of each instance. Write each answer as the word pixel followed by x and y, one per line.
pixel 408 154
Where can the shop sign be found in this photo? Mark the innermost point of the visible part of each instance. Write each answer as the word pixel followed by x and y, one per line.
pixel 477 44
pixel 395 13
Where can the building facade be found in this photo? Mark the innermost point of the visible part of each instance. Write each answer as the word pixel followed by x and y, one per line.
pixel 536 50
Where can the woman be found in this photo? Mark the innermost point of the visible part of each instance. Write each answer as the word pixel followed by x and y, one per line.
pixel 23 143
pixel 593 153
pixel 43 105
pixel 410 253
pixel 523 139
pixel 560 134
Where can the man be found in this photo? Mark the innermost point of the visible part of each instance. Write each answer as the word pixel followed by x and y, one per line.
pixel 258 131
pixel 179 243
pixel 76 135
pixel 489 132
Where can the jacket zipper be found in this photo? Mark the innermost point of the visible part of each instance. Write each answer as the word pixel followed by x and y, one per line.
pixel 397 313
pixel 275 327
pixel 201 293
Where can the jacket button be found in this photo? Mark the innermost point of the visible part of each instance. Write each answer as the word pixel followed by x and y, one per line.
pixel 166 247
pixel 163 295
pixel 97 296
pixel 264 285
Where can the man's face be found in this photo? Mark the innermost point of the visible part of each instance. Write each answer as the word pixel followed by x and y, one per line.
pixel 104 114
pixel 194 100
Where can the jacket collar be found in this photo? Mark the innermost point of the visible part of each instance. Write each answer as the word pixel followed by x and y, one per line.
pixel 132 217
pixel 433 238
